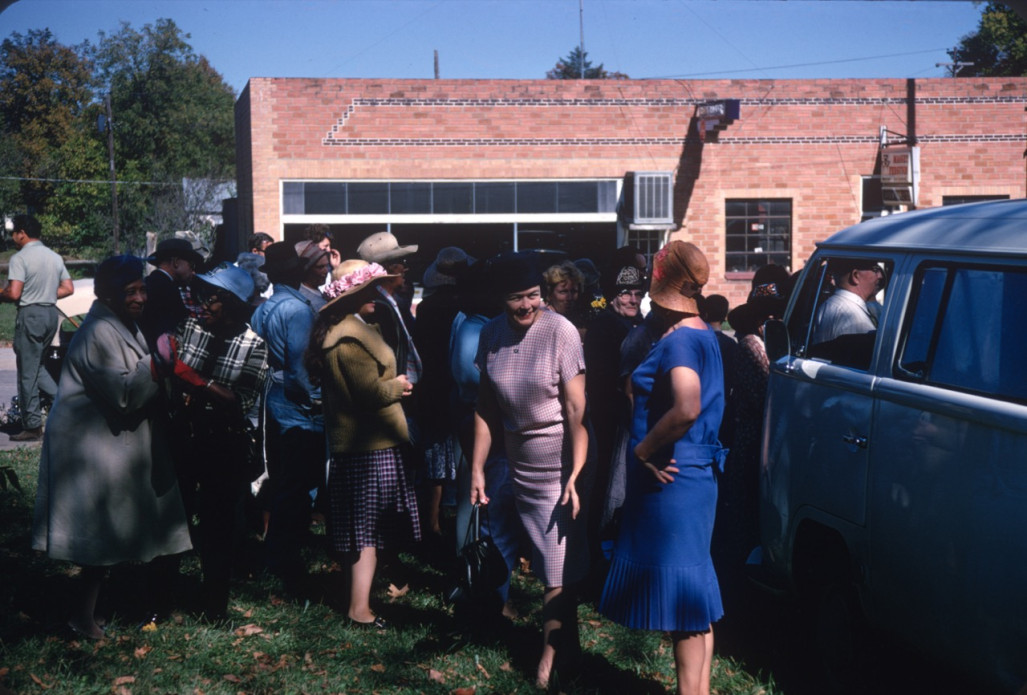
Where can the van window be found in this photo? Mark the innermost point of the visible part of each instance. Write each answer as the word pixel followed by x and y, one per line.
pixel 964 331
pixel 837 309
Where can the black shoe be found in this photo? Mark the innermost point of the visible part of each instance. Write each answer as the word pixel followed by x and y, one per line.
pixel 379 623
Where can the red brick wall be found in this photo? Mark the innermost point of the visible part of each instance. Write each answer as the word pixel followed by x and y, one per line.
pixel 808 140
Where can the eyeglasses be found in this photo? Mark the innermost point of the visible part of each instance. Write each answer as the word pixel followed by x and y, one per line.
pixel 210 300
pixel 636 294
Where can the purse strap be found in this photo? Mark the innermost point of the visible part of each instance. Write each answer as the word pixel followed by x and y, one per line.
pixel 474 523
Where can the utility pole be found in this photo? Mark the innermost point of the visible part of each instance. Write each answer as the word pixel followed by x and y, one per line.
pixel 953 67
pixel 109 127
pixel 436 63
pixel 581 45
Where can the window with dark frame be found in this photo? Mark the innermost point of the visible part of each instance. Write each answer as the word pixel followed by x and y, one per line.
pixel 960 199
pixel 448 197
pixel 758 232
pixel 958 332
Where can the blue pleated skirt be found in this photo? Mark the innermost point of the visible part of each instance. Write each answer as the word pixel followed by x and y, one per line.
pixel 662 576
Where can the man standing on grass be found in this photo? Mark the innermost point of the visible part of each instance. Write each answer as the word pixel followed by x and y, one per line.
pixel 36 279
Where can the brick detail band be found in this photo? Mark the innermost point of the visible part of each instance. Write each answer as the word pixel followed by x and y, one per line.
pixel 634 142
pixel 340 124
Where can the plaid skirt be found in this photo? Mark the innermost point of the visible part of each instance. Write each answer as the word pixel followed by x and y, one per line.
pixel 371 504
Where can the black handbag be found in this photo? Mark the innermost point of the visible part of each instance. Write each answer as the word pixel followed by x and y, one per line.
pixel 480 567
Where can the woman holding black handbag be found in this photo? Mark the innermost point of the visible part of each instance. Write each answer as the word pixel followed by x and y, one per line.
pixel 532 392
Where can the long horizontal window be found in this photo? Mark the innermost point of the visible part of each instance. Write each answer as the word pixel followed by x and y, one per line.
pixel 447 197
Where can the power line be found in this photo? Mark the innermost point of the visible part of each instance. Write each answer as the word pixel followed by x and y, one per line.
pixel 104 182
pixel 795 65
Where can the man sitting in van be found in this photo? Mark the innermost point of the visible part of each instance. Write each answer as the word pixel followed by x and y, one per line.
pixel 847 320
pixel 846 311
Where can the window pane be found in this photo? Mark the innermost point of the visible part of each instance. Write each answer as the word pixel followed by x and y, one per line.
pixel 960 199
pixel 776 207
pixel 607 196
pixel 292 198
pixel 979 347
pixel 536 197
pixel 873 203
pixel 921 327
pixel 762 229
pixel 453 198
pixel 577 196
pixel 493 198
pixel 736 208
pixel 736 262
pixel 368 198
pixel 324 198
pixel 410 198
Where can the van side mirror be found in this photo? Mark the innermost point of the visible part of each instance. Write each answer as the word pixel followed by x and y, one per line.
pixel 775 335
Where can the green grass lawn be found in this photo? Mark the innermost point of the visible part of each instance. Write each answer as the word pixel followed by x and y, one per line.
pixel 276 646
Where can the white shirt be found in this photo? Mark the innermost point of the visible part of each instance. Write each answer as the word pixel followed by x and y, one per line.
pixel 843 313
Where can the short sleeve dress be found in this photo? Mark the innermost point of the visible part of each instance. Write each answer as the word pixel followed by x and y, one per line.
pixel 526 370
pixel 662 576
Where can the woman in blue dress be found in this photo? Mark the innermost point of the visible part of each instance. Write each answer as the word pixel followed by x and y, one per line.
pixel 662 576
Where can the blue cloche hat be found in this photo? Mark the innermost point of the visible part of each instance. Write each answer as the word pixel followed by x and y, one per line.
pixel 232 278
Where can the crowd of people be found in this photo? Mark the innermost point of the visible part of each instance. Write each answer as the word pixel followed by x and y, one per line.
pixel 597 437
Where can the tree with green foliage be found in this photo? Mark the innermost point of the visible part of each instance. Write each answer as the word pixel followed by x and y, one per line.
pixel 577 66
pixel 44 92
pixel 173 118
pixel 997 48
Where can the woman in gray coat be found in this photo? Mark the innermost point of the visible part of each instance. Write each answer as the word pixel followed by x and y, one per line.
pixel 107 488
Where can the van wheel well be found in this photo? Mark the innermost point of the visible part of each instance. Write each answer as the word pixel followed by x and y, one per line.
pixel 820 557
pixel 826 580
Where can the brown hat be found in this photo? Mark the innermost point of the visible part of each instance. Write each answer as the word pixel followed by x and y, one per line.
pixel 679 272
pixel 309 253
pixel 352 277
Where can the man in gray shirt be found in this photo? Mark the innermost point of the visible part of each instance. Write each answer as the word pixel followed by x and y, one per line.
pixel 36 279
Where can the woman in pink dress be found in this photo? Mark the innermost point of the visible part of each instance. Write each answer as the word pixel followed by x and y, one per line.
pixel 532 393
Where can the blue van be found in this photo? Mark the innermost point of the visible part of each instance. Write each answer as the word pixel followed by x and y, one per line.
pixel 894 466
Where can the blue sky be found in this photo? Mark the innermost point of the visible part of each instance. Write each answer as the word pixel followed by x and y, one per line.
pixel 522 39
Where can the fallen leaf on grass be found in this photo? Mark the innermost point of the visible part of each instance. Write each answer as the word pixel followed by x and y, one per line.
pixel 247 630
pixel 141 652
pixel 378 668
pixel 464 691
pixel 482 669
pixel 232 678
pixel 436 676
pixel 506 667
pixel 398 592
pixel 39 681
pixel 124 680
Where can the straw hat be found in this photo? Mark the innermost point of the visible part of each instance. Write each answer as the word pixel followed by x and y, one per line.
pixel 351 277
pixel 679 272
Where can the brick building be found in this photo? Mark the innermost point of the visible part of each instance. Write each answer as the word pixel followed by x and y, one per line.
pixel 585 166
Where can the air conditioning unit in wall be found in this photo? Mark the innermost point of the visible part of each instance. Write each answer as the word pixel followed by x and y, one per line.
pixel 648 199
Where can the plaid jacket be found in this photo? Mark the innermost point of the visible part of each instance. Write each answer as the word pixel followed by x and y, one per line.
pixel 238 363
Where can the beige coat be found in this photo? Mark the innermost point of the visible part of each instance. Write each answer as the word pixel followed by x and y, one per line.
pixel 107 488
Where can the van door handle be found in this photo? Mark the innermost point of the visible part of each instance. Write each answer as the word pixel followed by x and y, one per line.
pixel 855 440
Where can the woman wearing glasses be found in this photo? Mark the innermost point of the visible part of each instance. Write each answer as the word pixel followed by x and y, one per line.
pixel 608 406
pixel 219 368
